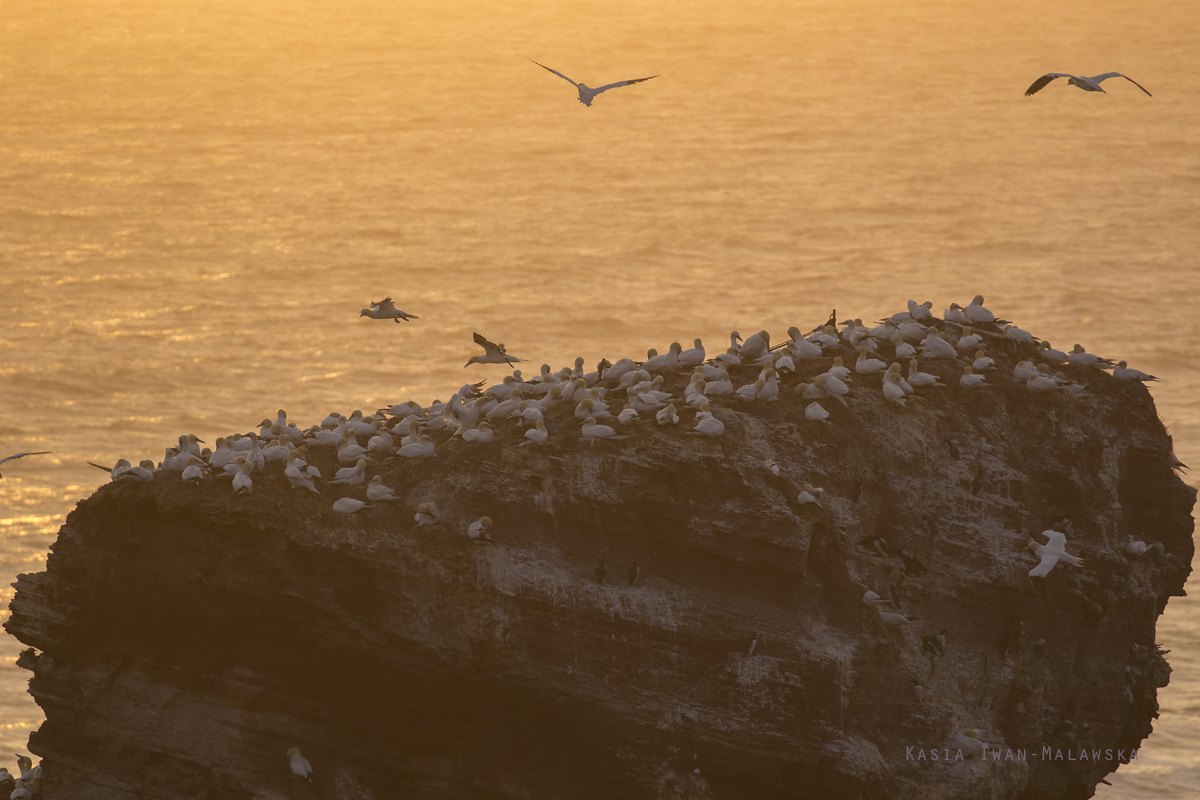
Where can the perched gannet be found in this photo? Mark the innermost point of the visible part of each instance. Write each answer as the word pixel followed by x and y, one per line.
pixel 628 414
pixel 492 353
pixel 377 492
pixel 968 341
pixel 833 385
pixel 1051 553
pixel 299 764
pixel 892 391
pixel 22 455
pixel 981 362
pixel 537 434
pixel 969 380
pixel 934 346
pixel 894 371
pixel 117 470
pixel 1041 380
pixel 1133 547
pixel 908 331
pixel 707 424
pixel 422 448
pixel 296 477
pixel 892 619
pixel 917 689
pixel 482 433
pixel 593 431
pixel 1078 357
pixel 349 505
pixel 872 599
pixel 349 450
pixel 975 312
pixel 968 742
pixel 1021 335
pixel 826 337
pixel 838 370
pixel 770 389
pixel 801 347
pixel 754 347
pixel 1176 464
pixel 750 390
pixel 478 530
pixel 193 471
pixel 1091 84
pixel 720 387
pixel 241 481
pixel 1048 352
pixel 954 314
pixel 666 362
pixel 867 365
pixel 1124 373
pixel 668 416
pixel 921 312
pixel 809 494
pixel 815 413
pixel 1024 370
pixel 381 443
pixel 619 369
pixel 587 94
pixel 903 348
pixel 351 476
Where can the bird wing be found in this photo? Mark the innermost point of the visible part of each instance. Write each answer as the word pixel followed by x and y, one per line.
pixel 1041 82
pixel 384 305
pixel 621 83
pixel 98 466
pixel 1043 569
pixel 22 455
pixel 1058 541
pixel 1097 79
pixel 559 74
pixel 488 347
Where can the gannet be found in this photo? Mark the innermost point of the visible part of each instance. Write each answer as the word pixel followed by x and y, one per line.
pixel 892 391
pixel 668 416
pixel 735 342
pixel 19 791
pixel 750 390
pixel 1178 465
pixel 348 505
pixel 981 362
pixel 1048 352
pixel 425 515
pixel 117 470
pixel 754 347
pixel 143 472
pixel 1091 84
pixel 833 385
pixel 587 94
pixel 908 330
pixel 1133 547
pixel 872 599
pixel 801 347
pixel 1024 370
pixel 349 450
pixel 666 362
pixel 628 414
pixel 1051 553
pixel 815 413
pixel 707 424
pixel 894 371
pixel 1041 380
pixel 377 492
pixel 808 494
pixel 241 481
pixel 276 451
pixel 720 387
pixel 537 434
pixel 826 337
pixel 593 431
pixel 867 365
pixel 968 341
pixel 479 529
pixel 892 619
pixel 635 572
pixel 384 309
pixel 968 742
pixel 619 369
pixel 918 690
pixel 299 764
pixel 729 358
pixel 903 348
pixel 1078 357
pixel 772 466
pixel 422 448
pixel 921 312
pixel 193 471
pixel 1123 373
pixel 770 389
pixel 838 370
pixel 296 477
pixel 954 314
pixel 1021 335
pixel 481 434
pixel 969 380
pixel 976 314
pixel 351 476
pixel 492 353
pixel 934 346
pixel 381 443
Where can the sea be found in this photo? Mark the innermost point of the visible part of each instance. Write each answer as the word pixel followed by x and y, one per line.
pixel 197 199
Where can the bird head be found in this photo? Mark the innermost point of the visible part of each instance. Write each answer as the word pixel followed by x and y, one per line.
pixel 363 313
pixel 1032 545
pixel 293 751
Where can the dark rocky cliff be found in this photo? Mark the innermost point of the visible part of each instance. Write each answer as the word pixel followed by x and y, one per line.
pixel 183 637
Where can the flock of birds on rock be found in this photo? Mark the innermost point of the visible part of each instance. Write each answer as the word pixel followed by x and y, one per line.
pixel 28 785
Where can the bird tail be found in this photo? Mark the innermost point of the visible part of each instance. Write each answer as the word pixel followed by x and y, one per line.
pixel 1074 561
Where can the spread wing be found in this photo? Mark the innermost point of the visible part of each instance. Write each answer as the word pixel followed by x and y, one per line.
pixel 488 347
pixel 559 74
pixel 622 83
pixel 97 466
pixel 22 455
pixel 1041 82
pixel 1058 541
pixel 1108 75
pixel 384 305
pixel 1043 569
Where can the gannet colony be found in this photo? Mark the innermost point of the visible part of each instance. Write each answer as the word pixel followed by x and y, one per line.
pixel 814 563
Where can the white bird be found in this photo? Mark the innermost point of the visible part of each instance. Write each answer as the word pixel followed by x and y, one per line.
pixel 1124 373
pixel 593 431
pixel 921 312
pixel 976 313
pixel 801 347
pixel 492 353
pixel 422 448
pixel 1020 334
pixel 867 365
pixel 349 450
pixel 815 413
pixel 750 390
pixel 241 481
pixel 872 599
pixel 667 362
pixel 1048 352
pixel 377 492
pixel 981 362
pixel 968 742
pixel 1051 553
pixel 903 348
pixel 117 470
pixel 934 346
pixel 483 434
pixel 668 416
pixel 628 414
pixel 954 314
pixel 1078 357
pixel 892 391
pixel 299 764
pixel 1133 547
pixel 193 471
pixel 770 389
pixel 833 385
pixel 297 478
pixel 838 370
pixel 892 619
pixel 1091 84
pixel 1024 370
pixel 720 387
pixel 348 505
pixel 707 424
pixel 808 494
pixel 918 378
pixel 22 455
pixel 537 434
pixel 381 443
pixel 692 357
pixel 384 309
pixel 968 341
pixel 755 347
pixel 588 94
pixel 425 515
pixel 969 380
pixel 479 528
pixel 1042 381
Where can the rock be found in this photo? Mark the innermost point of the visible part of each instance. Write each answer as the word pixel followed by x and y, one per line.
pixel 196 635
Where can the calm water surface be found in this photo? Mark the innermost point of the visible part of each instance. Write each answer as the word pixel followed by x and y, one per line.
pixel 197 199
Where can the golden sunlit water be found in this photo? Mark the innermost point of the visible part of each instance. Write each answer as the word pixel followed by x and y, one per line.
pixel 196 199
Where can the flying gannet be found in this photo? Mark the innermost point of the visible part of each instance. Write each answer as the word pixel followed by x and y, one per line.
pixel 588 94
pixel 299 764
pixel 384 309
pixel 492 353
pixel 22 455
pixel 1091 84
pixel 1051 553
